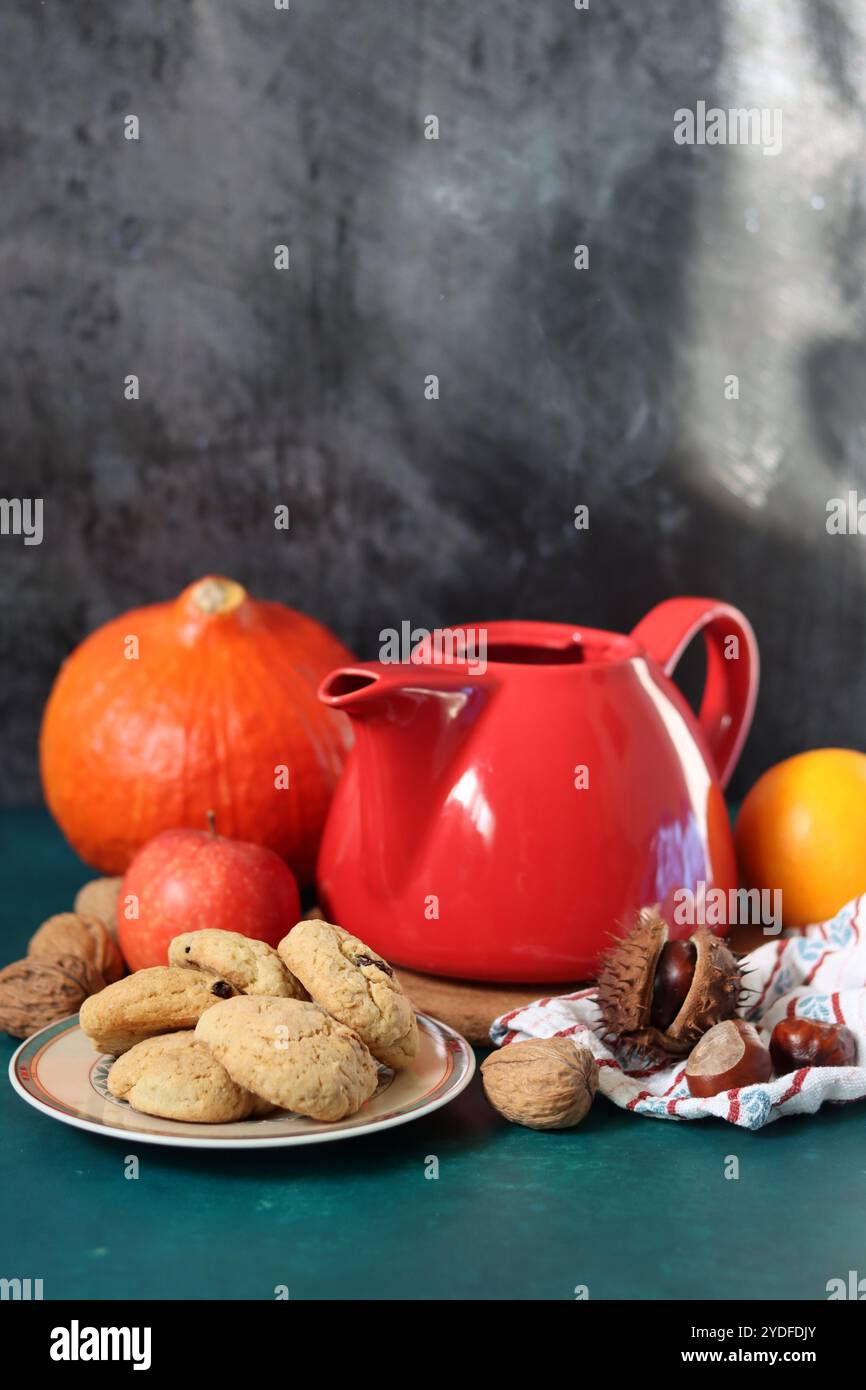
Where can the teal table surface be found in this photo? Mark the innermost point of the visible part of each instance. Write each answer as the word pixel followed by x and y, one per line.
pixel 629 1207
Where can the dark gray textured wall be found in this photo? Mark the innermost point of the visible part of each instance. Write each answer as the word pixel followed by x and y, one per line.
pixel 452 257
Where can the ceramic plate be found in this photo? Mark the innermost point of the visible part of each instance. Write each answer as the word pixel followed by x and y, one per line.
pixel 58 1072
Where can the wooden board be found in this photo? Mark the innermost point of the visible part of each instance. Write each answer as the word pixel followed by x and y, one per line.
pixel 469 1007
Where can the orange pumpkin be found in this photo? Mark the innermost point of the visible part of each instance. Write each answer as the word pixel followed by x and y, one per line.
pixel 207 702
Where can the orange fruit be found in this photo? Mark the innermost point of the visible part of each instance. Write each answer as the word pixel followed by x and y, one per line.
pixel 802 829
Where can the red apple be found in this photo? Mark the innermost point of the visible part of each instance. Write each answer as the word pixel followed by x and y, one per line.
pixel 184 880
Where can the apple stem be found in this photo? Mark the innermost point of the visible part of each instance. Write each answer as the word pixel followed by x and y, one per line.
pixel 211 820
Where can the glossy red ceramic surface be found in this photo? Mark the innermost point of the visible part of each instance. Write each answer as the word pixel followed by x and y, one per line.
pixel 497 824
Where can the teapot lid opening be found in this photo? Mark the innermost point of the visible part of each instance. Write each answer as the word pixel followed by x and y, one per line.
pixel 516 643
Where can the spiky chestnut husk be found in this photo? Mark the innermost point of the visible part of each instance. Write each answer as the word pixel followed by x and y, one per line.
pixel 625 990
pixel 627 973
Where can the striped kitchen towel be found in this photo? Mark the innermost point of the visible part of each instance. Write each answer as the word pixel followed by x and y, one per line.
pixel 820 974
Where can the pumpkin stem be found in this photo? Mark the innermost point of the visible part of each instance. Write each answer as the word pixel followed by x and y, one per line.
pixel 211 821
pixel 215 595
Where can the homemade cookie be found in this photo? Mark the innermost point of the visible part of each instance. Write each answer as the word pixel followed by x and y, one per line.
pixel 251 967
pixel 290 1053
pixel 77 934
pixel 356 986
pixel 159 1000
pixel 178 1078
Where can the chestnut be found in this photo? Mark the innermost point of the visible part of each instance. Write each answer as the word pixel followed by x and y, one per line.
pixel 657 997
pixel 731 1054
pixel 804 1042
pixel 673 980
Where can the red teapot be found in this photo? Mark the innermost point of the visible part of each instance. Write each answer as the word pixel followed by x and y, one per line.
pixel 517 789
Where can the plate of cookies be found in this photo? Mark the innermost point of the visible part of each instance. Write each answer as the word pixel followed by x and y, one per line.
pixel 236 1044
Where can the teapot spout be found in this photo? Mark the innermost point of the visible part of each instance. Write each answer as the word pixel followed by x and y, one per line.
pixel 356 690
pixel 376 690
pixel 411 723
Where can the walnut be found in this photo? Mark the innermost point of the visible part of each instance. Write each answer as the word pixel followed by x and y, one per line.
pixel 73 934
pixel 65 934
pixel 544 1083
pixel 38 991
pixel 99 898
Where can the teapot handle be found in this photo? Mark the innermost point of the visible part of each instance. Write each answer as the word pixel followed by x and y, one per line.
pixel 731 687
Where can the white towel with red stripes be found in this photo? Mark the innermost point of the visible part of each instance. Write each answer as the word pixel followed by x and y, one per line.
pixel 820 974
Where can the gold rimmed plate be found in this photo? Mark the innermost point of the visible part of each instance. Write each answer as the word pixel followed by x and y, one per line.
pixel 57 1072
